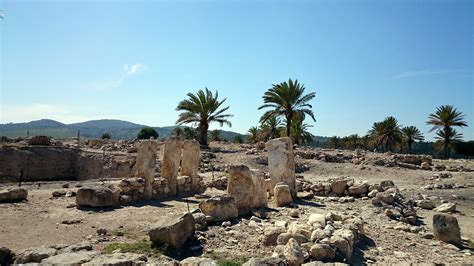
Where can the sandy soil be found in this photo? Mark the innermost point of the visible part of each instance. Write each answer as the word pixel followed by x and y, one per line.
pixel 39 220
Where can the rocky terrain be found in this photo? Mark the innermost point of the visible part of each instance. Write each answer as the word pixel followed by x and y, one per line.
pixel 352 207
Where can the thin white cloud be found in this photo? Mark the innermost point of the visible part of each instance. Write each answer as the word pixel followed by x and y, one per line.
pixel 128 71
pixel 430 72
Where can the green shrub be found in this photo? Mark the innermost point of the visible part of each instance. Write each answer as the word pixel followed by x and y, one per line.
pixel 106 136
pixel 147 133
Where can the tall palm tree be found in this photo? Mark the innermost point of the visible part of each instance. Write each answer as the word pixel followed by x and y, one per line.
pixel 447 134
pixel 411 134
pixel 287 99
pixel 202 109
pixel 446 117
pixel 271 128
pixel 387 133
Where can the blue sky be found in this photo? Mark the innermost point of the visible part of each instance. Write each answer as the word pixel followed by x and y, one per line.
pixel 135 60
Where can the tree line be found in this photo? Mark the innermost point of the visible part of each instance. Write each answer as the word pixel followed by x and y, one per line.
pixel 287 106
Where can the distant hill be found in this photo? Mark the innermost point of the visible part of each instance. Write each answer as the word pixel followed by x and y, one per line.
pixel 119 129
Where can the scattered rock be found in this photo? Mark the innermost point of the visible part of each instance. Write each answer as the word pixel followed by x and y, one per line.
pixel 446 207
pixel 174 231
pixel 34 255
pixel 282 195
pixel 13 195
pixel 446 229
pixel 220 208
pixel 97 196
pixel 198 261
pixel 294 253
pixel 322 252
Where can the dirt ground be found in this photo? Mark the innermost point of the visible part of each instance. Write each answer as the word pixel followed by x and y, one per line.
pixel 38 221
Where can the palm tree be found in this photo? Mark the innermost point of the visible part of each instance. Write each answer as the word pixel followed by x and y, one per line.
pixel 271 128
pixel 351 142
pixel 411 134
pixel 216 135
pixel 177 132
pixel 202 109
pixel 254 135
pixel 447 134
pixel 300 133
pixel 446 117
pixel 386 133
pixel 334 142
pixel 287 99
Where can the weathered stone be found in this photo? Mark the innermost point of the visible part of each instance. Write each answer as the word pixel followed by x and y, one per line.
pixel 6 256
pixel 13 195
pixel 34 255
pixel 173 230
pixel 358 190
pixel 446 207
pixel 118 259
pixel 386 184
pixel 281 162
pixel 198 261
pixel 39 140
pixel 247 189
pixel 293 253
pixel 446 228
pixel 97 196
pixel 322 252
pixel 268 261
pixel 77 258
pixel 338 187
pixel 343 245
pixel 425 166
pixel 426 204
pixel 283 238
pixel 270 236
pixel 190 161
pixel 220 208
pixel 146 161
pixel 282 195
pixel 317 220
pixel 171 162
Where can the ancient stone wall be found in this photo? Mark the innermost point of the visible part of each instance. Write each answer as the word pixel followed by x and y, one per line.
pixel 47 163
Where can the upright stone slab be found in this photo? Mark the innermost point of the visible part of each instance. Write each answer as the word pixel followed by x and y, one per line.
pixel 190 161
pixel 146 161
pixel 171 162
pixel 281 162
pixel 247 189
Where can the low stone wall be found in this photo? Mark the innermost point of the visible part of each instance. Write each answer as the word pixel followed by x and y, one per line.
pixel 49 163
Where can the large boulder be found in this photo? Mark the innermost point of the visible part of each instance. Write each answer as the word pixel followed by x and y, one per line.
pixel 246 188
pixel 173 230
pixel 13 195
pixel 446 228
pixel 34 255
pixel 198 261
pixel 220 208
pixel 267 261
pixel 446 207
pixel 97 196
pixel 76 258
pixel 322 252
pixel 358 190
pixel 118 259
pixel 294 253
pixel 282 195
pixel 338 187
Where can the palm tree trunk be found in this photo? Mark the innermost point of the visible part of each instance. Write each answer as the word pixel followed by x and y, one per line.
pixel 203 128
pixel 446 143
pixel 289 117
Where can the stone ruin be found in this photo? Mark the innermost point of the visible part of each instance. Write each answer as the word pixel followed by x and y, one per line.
pixel 179 171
